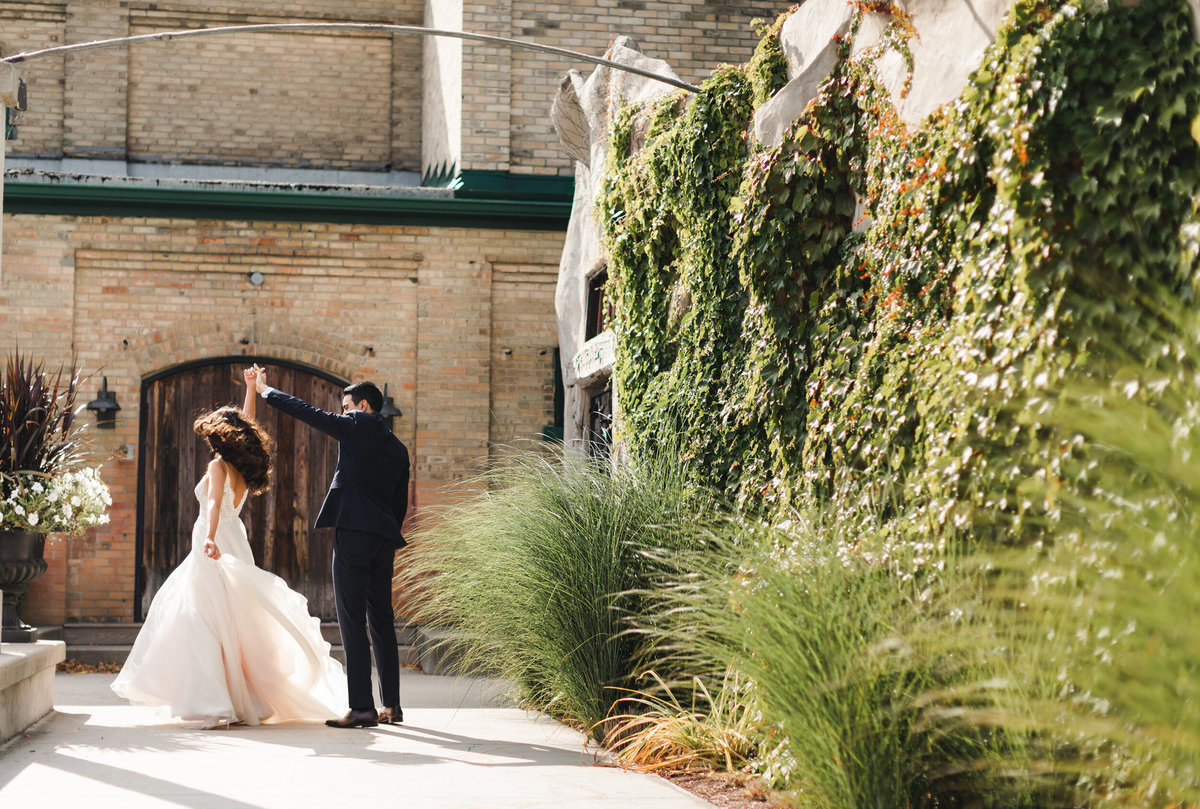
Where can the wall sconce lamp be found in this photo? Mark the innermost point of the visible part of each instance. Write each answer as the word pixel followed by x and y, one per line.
pixel 105 406
pixel 389 411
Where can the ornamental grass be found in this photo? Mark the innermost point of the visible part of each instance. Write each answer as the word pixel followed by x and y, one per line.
pixel 535 574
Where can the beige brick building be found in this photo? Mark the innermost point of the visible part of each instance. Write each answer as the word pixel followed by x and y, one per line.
pixel 342 204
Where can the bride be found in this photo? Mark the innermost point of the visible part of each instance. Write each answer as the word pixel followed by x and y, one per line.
pixel 226 642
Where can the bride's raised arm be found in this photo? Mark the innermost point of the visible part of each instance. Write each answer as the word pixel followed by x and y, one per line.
pixel 251 377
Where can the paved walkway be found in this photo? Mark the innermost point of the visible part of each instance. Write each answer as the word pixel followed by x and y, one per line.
pixel 459 747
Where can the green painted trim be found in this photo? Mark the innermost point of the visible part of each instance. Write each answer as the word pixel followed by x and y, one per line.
pixel 102 200
pixel 503 185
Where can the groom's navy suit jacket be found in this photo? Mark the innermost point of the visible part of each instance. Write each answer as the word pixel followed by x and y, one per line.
pixel 369 491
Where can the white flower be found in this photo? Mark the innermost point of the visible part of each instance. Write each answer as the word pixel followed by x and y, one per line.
pixel 70 502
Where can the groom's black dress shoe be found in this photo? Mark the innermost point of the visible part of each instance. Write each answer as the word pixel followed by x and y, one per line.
pixel 391 715
pixel 355 719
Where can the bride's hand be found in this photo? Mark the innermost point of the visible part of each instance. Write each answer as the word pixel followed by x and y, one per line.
pixel 211 550
pixel 250 375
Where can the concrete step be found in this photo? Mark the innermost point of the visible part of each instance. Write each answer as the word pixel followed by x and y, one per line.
pixel 50 633
pixel 99 634
pixel 438 654
pixel 26 684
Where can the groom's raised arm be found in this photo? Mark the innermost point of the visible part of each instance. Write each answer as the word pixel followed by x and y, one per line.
pixel 329 423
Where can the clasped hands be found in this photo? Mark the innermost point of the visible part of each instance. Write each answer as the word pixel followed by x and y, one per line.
pixel 256 376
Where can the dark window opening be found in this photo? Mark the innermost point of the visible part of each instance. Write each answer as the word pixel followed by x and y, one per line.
pixel 599 422
pixel 599 307
pixel 554 432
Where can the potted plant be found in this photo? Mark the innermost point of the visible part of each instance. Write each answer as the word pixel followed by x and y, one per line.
pixel 45 488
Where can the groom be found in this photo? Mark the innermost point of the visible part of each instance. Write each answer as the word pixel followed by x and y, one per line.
pixel 366 504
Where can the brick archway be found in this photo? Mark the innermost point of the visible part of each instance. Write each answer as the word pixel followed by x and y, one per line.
pixel 158 352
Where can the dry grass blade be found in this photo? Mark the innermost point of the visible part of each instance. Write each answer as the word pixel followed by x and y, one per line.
pixel 652 731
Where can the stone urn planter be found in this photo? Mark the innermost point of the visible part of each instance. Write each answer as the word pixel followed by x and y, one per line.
pixel 20 563
pixel 46 490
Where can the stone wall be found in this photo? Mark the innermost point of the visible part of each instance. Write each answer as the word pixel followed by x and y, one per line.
pixel 581 116
pixel 459 322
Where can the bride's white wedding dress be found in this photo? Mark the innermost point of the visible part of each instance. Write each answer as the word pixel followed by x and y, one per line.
pixel 226 641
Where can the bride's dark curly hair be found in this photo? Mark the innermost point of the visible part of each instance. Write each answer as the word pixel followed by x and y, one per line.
pixel 241 442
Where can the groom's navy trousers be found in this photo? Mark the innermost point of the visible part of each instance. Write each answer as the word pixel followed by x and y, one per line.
pixel 362 586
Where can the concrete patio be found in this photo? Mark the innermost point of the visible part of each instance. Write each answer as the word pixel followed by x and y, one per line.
pixel 462 745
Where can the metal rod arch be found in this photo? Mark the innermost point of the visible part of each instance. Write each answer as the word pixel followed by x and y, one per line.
pixel 346 26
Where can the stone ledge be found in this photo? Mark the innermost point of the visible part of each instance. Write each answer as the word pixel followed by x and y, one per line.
pixel 27 683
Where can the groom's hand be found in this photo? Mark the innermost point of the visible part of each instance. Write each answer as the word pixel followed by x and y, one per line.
pixel 260 381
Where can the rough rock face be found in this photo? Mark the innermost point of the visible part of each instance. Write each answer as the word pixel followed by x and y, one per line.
pixel 808 40
pixel 580 113
pixel 951 36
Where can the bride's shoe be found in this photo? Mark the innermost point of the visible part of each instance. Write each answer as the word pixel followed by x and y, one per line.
pixel 219 723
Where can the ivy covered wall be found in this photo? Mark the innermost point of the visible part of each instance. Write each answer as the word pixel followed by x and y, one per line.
pixel 868 317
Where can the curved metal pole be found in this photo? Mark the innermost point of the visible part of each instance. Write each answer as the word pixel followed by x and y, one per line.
pixel 347 26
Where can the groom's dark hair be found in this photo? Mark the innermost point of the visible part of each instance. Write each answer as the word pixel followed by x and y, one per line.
pixel 365 391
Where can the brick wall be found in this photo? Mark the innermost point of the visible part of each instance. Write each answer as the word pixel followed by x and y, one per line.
pixel 26 26
pixel 96 84
pixel 523 338
pixel 338 100
pixel 299 100
pixel 416 307
pixel 487 88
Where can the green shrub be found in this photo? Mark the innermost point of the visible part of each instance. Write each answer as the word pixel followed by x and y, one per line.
pixel 534 575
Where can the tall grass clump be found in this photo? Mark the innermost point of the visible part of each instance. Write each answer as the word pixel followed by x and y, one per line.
pixel 536 574
pixel 823 631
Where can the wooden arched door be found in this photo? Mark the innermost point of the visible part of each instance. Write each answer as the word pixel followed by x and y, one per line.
pixel 279 522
